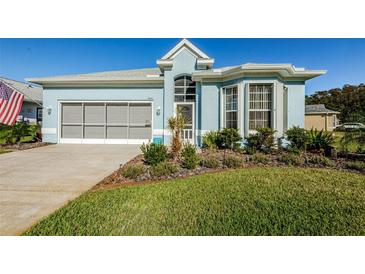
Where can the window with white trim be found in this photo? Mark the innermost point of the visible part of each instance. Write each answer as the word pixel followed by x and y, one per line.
pixel 260 105
pixel 230 107
pixel 185 89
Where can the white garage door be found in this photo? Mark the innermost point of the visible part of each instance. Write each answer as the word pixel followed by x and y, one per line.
pixel 106 122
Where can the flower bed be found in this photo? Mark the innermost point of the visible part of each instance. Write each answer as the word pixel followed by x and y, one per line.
pixel 23 146
pixel 219 160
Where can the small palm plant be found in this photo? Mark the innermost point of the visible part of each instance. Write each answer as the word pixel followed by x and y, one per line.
pixel 318 140
pixel 176 125
pixel 353 137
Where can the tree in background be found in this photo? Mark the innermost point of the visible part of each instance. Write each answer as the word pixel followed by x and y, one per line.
pixel 349 101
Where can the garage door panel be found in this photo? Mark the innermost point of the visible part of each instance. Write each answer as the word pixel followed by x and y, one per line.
pixel 94 113
pixel 94 132
pixel 140 114
pixel 117 114
pixel 72 131
pixel 140 133
pixel 117 132
pixel 71 113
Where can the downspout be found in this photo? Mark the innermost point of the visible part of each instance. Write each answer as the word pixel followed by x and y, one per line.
pixel 163 113
pixel 200 119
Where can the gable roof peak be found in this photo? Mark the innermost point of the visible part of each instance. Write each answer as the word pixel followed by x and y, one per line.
pixel 185 43
pixel 203 60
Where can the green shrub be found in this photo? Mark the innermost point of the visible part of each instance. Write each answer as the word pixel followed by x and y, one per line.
pixel 318 140
pixel 210 162
pixel 297 137
pixel 293 150
pixel 262 140
pixel 233 161
pixel 7 136
pixel 259 159
pixel 229 138
pixel 132 171
pixel 154 153
pixel 14 133
pixel 291 159
pixel 250 150
pixel 190 159
pixel 35 132
pixel 163 169
pixel 356 165
pixel 211 139
pixel 321 160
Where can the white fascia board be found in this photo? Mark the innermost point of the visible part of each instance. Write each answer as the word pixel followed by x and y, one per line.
pixel 164 64
pixel 288 67
pixel 105 82
pixel 321 113
pixel 283 70
pixel 204 63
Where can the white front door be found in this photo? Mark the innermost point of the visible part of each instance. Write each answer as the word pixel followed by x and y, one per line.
pixel 187 110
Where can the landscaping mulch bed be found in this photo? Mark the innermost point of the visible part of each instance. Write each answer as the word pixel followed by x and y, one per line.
pixel 116 179
pixel 352 156
pixel 23 146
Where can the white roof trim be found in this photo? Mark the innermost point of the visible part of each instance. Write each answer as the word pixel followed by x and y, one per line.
pixel 286 71
pixel 185 43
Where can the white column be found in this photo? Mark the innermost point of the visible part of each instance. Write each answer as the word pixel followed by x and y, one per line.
pixel 241 108
pixel 280 108
pixel 246 108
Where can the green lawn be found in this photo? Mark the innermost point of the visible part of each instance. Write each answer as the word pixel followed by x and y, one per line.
pixel 251 201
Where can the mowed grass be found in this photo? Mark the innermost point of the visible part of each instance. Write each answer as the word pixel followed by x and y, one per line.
pixel 252 201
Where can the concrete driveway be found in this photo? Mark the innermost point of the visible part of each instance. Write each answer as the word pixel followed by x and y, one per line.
pixel 36 182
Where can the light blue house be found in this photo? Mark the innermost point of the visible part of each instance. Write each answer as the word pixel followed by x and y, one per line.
pixel 133 106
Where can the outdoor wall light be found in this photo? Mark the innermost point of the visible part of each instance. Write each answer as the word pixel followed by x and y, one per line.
pixel 49 109
pixel 158 111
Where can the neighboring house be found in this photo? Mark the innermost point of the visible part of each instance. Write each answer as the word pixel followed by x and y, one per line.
pixel 319 117
pixel 133 106
pixel 32 106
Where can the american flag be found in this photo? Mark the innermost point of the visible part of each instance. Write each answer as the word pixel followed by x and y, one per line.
pixel 11 102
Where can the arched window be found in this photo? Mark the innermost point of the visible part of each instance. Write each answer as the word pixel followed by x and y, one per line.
pixel 185 89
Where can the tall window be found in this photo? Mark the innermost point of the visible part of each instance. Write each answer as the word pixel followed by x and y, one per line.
pixel 184 89
pixel 230 107
pixel 260 106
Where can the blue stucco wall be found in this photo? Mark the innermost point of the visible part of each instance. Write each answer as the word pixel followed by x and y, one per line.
pixel 183 64
pixel 210 106
pixel 51 97
pixel 296 104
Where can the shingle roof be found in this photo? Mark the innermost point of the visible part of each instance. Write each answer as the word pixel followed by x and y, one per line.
pixel 135 74
pixel 31 92
pixel 320 108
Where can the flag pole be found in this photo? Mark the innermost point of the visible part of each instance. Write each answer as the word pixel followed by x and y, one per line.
pixel 10 86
